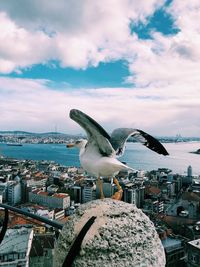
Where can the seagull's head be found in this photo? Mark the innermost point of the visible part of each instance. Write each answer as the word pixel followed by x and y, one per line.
pixel 81 143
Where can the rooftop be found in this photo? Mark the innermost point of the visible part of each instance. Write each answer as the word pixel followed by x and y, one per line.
pixel 196 182
pixel 190 196
pixel 35 191
pixel 171 244
pixel 43 193
pixel 152 190
pixel 60 195
pixel 129 184
pixel 15 240
pixel 195 243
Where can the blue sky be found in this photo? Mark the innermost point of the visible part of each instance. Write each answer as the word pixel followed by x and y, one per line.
pixel 111 74
pixel 159 21
pixel 125 63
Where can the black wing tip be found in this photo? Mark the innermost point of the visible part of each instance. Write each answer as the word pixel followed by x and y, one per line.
pixel 157 146
pixel 164 152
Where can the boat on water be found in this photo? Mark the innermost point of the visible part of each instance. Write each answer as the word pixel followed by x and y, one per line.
pixel 14 144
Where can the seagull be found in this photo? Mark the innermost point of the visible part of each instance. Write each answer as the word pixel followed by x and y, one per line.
pixel 98 154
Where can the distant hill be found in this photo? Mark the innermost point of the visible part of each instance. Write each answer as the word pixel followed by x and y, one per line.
pixel 14 132
pixel 30 133
pixel 24 133
pixel 163 139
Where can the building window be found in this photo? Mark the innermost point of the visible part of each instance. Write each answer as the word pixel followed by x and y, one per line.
pixel 193 258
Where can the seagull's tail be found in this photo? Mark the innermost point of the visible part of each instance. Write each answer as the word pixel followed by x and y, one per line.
pixel 126 167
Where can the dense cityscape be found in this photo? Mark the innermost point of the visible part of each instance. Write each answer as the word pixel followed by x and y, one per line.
pixel 47 189
pixel 20 137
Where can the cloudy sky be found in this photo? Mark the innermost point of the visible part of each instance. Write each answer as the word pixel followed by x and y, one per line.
pixel 126 63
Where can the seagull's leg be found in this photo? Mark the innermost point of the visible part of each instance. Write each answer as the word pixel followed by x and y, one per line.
pixel 100 184
pixel 118 194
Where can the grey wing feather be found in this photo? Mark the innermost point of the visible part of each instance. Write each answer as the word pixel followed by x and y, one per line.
pixel 119 137
pixel 95 133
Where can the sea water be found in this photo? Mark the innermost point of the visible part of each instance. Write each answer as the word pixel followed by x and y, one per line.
pixel 136 155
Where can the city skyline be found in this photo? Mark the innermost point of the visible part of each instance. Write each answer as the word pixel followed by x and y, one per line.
pixel 125 63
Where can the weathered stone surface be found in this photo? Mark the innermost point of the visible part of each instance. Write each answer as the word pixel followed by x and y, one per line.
pixel 121 235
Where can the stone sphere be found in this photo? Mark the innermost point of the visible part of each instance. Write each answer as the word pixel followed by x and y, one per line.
pixel 122 235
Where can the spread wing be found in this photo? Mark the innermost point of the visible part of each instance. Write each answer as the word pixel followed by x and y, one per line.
pixel 119 137
pixel 97 136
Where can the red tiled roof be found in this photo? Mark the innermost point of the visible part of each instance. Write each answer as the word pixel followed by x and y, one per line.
pixel 190 196
pixel 17 219
pixel 60 195
pixel 35 191
pixel 37 174
pixel 152 190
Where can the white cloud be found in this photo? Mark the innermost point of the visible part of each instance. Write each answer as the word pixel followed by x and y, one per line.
pixel 166 59
pixel 19 48
pixel 31 105
pixel 186 14
pixel 77 33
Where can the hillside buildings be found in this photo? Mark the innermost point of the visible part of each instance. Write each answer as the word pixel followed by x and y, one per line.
pixel 47 189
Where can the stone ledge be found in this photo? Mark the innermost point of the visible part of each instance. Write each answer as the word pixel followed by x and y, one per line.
pixel 121 235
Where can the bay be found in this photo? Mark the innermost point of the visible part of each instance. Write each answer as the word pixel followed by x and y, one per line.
pixel 136 155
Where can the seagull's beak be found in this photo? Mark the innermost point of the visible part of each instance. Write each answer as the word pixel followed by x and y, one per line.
pixel 69 145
